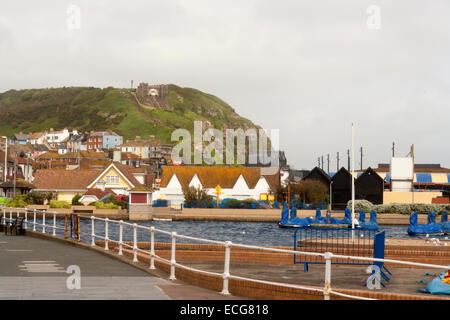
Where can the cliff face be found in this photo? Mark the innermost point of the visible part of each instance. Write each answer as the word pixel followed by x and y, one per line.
pixel 121 110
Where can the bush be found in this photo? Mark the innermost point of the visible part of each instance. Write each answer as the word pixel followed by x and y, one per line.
pixel 399 208
pixel 76 200
pixel 36 197
pixel 241 204
pixel 19 201
pixel 59 204
pixel 197 198
pixel 105 205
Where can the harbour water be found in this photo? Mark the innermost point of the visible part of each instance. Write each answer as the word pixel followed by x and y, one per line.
pixel 251 233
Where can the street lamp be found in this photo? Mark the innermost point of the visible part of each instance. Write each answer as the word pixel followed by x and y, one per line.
pixel 6 155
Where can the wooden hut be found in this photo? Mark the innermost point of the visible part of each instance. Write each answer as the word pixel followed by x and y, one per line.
pixel 341 189
pixel 369 186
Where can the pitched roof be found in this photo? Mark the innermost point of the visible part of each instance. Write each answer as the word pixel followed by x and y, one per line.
pixel 99 193
pixel 210 177
pixel 64 180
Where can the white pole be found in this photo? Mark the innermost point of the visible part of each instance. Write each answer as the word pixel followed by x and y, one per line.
pixel 26 219
pixel 120 237
pixel 172 260
pixel 43 221
pixel 152 247
pixel 226 272
pixel 327 288
pixel 34 219
pixel 6 156
pixel 54 223
pixel 353 182
pixel 135 243
pixel 92 231
pixel 106 234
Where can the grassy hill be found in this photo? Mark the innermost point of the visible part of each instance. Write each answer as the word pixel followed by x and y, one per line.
pixel 88 108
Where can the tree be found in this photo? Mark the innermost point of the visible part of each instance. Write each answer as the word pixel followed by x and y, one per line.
pixel 196 197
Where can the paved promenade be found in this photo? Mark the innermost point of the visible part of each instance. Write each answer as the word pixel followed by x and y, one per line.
pixel 34 268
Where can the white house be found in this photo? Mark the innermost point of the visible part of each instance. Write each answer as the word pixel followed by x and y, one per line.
pixel 235 182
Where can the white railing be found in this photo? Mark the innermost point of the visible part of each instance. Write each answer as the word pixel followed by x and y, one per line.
pixel 328 256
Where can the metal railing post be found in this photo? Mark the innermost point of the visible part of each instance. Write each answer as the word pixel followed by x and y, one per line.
pixel 135 243
pixel 34 219
pixel 327 288
pixel 92 231
pixel 18 213
pixel 226 271
pixel 26 219
pixel 172 260
pixel 4 215
pixel 10 215
pixel 106 234
pixel 54 223
pixel 120 237
pixel 152 247
pixel 43 221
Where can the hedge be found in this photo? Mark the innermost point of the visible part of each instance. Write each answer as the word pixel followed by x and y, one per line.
pixel 399 208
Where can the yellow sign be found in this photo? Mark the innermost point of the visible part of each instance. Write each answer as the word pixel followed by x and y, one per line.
pixel 218 189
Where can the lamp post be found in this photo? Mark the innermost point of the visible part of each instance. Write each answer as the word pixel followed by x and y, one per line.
pixel 331 196
pixel 6 155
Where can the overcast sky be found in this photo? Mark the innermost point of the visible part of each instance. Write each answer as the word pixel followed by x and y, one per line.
pixel 307 68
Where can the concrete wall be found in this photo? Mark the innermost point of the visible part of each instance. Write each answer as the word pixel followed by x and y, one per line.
pixel 410 197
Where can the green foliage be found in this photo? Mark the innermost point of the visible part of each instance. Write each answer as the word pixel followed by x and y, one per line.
pixel 196 197
pixel 399 208
pixel 35 197
pixel 76 200
pixel 309 191
pixel 19 201
pixel 105 205
pixel 241 204
pixel 60 204
pixel 88 108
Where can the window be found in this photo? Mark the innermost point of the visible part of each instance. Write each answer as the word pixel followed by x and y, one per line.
pixel 112 180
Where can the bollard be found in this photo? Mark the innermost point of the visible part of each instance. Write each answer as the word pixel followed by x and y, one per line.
pixel 43 221
pixel 226 271
pixel 152 248
pixel 106 234
pixel 172 260
pixel 135 243
pixel 34 219
pixel 54 223
pixel 120 237
pixel 327 288
pixel 92 231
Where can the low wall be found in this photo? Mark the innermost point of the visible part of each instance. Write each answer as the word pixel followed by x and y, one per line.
pixel 410 197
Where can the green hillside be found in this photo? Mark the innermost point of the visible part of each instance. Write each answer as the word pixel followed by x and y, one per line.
pixel 88 108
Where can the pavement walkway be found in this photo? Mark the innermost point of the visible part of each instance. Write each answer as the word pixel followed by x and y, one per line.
pixel 35 268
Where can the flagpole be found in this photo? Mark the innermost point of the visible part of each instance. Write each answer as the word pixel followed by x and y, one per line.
pixel 353 182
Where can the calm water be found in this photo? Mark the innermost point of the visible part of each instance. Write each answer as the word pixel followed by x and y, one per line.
pixel 252 233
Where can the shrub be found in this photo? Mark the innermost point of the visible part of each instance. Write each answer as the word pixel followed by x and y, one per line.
pixel 399 208
pixel 105 205
pixel 76 200
pixel 35 197
pixel 19 201
pixel 197 198
pixel 59 204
